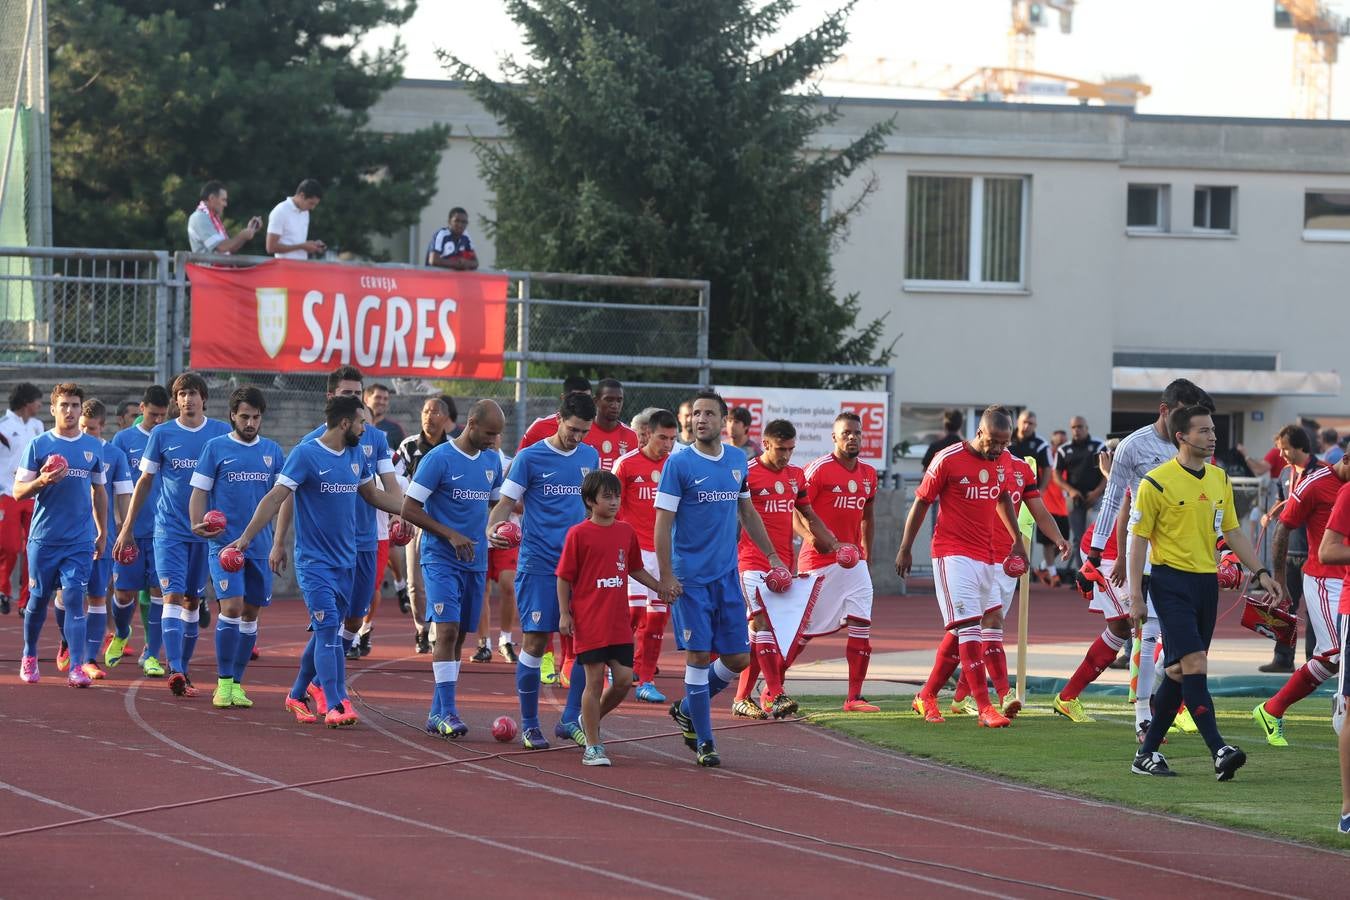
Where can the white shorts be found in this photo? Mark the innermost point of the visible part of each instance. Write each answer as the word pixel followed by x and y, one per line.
pixel 639 596
pixel 1321 596
pixel 844 594
pixel 1113 603
pixel 966 588
pixel 1006 587
pixel 787 613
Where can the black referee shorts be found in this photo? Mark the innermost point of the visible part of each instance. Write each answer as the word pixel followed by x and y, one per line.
pixel 1187 604
pixel 1062 522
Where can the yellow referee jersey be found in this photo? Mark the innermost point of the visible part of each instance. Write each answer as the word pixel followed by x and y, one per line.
pixel 1180 514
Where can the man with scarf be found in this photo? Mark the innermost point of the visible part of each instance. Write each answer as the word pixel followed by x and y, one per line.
pixel 206 231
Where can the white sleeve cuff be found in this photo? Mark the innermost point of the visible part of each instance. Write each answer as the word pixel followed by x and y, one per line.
pixel 418 492
pixel 368 480
pixel 149 465
pixel 96 478
pixel 204 482
pixel 513 489
pixel 287 482
pixel 668 502
pixel 123 487
pixel 385 466
pixel 25 475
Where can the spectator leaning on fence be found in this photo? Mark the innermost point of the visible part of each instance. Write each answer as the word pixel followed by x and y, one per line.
pixel 288 223
pixel 206 229
pixel 450 247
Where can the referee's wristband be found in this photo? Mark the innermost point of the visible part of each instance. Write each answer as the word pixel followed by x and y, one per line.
pixel 1259 573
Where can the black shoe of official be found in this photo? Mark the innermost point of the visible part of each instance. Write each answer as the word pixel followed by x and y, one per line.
pixel 422 642
pixel 5 601
pixel 1227 761
pixel 508 652
pixel 482 654
pixel 364 643
pixel 1151 764
pixel 1277 666
pixel 404 601
pixel 354 651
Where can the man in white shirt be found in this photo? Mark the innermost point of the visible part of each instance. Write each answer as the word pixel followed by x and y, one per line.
pixel 206 228
pixel 18 427
pixel 288 223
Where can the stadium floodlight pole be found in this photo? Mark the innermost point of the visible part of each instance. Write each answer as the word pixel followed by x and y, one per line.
pixel 1023 614
pixel 18 95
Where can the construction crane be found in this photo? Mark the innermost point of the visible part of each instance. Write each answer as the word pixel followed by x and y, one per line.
pixel 1027 16
pixel 1316 45
pixel 995 84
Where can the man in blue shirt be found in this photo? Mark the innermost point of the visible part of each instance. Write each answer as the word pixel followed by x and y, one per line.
pixel 324 478
pixel 118 482
pixel 547 477
pixel 138 579
pixel 449 498
pixel 69 527
pixel 450 247
pixel 234 473
pixel 702 501
pixel 170 458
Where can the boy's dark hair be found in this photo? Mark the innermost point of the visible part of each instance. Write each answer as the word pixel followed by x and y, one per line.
pixel 341 374
pixel 250 395
pixel 1297 436
pixel 577 406
pixel 67 389
pixel 662 418
pixel 710 395
pixel 339 408
pixel 310 187
pixel 1183 392
pixel 597 482
pixel 952 419
pixel 456 209
pixel 1179 420
pixel 576 384
pixel 24 393
pixel 742 415
pixel 190 381
pixel 93 408
pixel 780 430
pixel 156 395
pixel 210 189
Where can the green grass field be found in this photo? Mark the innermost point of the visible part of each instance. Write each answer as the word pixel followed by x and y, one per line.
pixel 1293 792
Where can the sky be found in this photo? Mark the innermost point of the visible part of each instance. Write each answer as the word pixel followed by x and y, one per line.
pixel 1201 57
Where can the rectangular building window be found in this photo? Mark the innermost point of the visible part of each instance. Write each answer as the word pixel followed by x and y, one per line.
pixel 1214 209
pixel 1326 215
pixel 967 230
pixel 1146 207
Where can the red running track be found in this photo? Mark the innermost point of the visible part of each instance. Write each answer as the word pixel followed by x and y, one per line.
pixel 795 810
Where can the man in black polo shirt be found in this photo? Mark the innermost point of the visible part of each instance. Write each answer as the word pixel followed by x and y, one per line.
pixel 1077 472
pixel 1028 444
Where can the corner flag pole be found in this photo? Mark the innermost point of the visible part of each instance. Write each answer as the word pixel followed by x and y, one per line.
pixel 1024 599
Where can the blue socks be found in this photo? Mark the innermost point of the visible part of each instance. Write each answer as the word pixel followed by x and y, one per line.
pixel 701 684
pixel 172 627
pixel 243 651
pixel 447 677
pixel 96 626
pixel 327 652
pixel 307 670
pixel 227 645
pixel 191 627
pixel 1195 691
pixel 154 629
pixel 527 689
pixel 34 616
pixel 122 616
pixel 572 710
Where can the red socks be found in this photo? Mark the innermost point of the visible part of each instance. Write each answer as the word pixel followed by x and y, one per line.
pixel 858 652
pixel 1100 655
pixel 1300 684
pixel 971 651
pixel 648 645
pixel 943 665
pixel 995 660
pixel 636 616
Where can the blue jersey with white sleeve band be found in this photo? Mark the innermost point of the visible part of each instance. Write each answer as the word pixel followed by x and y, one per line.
pixel 549 481
pixel 171 456
pixel 325 484
pixel 704 492
pixel 457 489
pixel 237 476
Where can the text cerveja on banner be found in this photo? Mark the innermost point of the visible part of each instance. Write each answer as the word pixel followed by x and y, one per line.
pixel 294 316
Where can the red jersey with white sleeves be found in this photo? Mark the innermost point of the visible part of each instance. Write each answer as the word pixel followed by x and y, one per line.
pixel 1024 488
pixel 640 477
pixel 596 560
pixel 1109 552
pixel 540 429
pixel 838 495
pixel 1310 504
pixel 611 444
pixel 775 494
pixel 967 488
pixel 1339 522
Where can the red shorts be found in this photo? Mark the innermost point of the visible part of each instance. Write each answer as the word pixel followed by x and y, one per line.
pixel 501 561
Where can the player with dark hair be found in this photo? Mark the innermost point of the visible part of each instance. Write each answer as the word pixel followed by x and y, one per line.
pixel 235 472
pixel 437 416
pixel 703 499
pixel 545 427
pixel 18 427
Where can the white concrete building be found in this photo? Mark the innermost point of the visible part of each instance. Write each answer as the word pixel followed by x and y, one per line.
pixel 1067 259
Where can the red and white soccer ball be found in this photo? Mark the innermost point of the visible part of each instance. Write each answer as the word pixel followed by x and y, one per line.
pixel 504 728
pixel 778 579
pixel 55 463
pixel 1230 573
pixel 128 554
pixel 215 521
pixel 400 533
pixel 508 531
pixel 847 555
pixel 1015 566
pixel 232 559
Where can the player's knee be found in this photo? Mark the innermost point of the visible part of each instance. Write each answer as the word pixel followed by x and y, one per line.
pixel 1119 627
pixel 737 661
pixel 700 658
pixel 623 679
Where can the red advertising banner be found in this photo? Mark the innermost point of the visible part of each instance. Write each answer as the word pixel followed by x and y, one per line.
pixel 294 316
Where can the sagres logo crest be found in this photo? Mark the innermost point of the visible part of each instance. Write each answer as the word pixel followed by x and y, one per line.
pixel 272 304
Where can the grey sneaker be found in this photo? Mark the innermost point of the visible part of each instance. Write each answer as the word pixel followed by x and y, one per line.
pixel 595 756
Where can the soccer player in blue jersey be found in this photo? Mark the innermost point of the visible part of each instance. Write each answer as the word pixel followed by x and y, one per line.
pixel 451 492
pixel 325 477
pixel 234 473
pixel 547 477
pixel 69 527
pixel 170 458
pixel 139 577
pixel 118 482
pixel 703 500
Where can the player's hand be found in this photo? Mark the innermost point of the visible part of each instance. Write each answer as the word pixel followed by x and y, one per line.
pixel 464 549
pixel 275 559
pixel 201 530
pixel 1138 609
pixel 1104 460
pixel 100 544
pixel 669 589
pixel 49 477
pixel 776 561
pixel 904 561
pixel 1063 547
pixel 496 541
pixel 1274 590
pixel 123 541
pixel 565 624
pixel 1117 576
pixel 1086 586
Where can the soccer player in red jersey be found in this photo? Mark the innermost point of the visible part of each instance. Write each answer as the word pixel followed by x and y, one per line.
pixel 1334 550
pixel 778 491
pixel 841 489
pixel 974 482
pixel 1310 504
pixel 544 427
pixel 608 435
pixel 639 474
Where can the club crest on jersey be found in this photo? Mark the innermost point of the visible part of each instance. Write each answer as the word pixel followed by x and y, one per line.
pixel 439 607
pixel 367 449
pixel 267 459
pixel 687 635
pixel 778 487
pixel 852 486
pixel 606 446
pixel 867 487
pixel 622 559
pixel 534 617
pixel 489 474
pixel 272 307
pixel 1017 477
pixel 356 470
pixel 1000 475
pixel 585 470
pixel 318 615
pixel 984 476
pixel 164 583
pixel 656 476
pixel 735 474
pixel 88 457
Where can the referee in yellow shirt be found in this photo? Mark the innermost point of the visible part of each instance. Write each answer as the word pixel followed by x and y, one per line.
pixel 1182 508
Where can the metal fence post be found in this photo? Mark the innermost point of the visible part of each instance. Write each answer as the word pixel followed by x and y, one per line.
pixel 162 318
pixel 892 414
pixel 179 337
pixel 523 367
pixel 704 324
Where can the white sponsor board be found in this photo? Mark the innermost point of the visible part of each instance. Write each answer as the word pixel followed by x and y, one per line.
pixel 812 412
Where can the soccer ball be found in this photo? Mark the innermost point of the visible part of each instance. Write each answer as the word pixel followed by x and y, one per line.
pixel 847 556
pixel 1015 566
pixel 232 559
pixel 214 521
pixel 508 531
pixel 55 463
pixel 504 728
pixel 778 579
pixel 400 533
pixel 128 555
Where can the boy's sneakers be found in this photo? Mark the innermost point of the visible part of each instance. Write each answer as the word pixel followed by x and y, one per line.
pixel 1184 723
pixel 595 756
pixel 28 670
pixel 78 678
pixel 300 709
pixel 448 726
pixel 508 651
pixel 238 697
pixel 63 658
pixel 686 726
pixel 1151 764
pixel 152 668
pixel 223 696
pixel 1227 761
pixel 1345 824
pixel 748 709
pixel 113 655
pixel 570 731
pixel 780 707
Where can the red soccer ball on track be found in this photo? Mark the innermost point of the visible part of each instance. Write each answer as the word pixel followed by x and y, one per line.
pixel 1015 566
pixel 847 555
pixel 55 463
pixel 778 579
pixel 128 555
pixel 214 521
pixel 400 533
pixel 232 559
pixel 508 531
pixel 504 728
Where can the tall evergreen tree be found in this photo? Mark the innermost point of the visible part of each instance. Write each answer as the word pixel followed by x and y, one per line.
pixel 656 138
pixel 152 98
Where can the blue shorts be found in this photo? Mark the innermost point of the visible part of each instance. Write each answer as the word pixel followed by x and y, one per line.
pixel 537 602
pixel 139 575
pixel 100 573
pixel 64 566
pixel 253 582
pixel 711 617
pixel 325 592
pixel 182 566
pixel 454 594
pixel 1187 604
pixel 363 584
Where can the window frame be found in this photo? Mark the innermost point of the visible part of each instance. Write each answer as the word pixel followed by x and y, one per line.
pixel 1209 208
pixel 975 239
pixel 1162 206
pixel 1323 235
